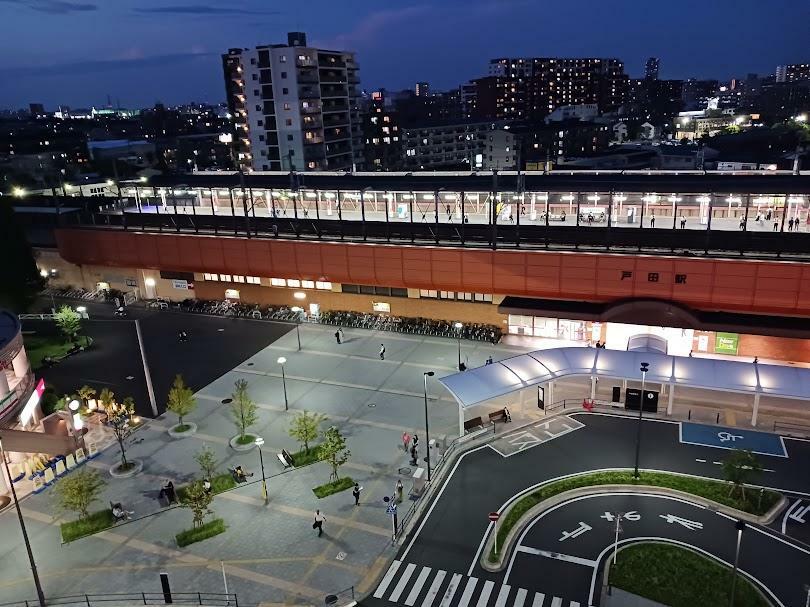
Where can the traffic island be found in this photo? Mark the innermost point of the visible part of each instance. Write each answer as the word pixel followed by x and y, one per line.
pixel 762 507
pixel 244 442
pixel 132 468
pixel 183 430
pixel 678 577
pixel 337 486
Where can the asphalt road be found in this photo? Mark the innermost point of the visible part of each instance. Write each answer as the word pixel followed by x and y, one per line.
pixel 215 346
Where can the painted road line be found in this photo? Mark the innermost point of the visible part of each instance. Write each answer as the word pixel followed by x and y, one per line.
pixel 455 581
pixel 721 437
pixel 403 581
pixel 702 461
pixel 574 604
pixel 520 597
pixel 468 590
pixel 539 598
pixel 502 596
pixel 434 588
pixel 392 570
pixel 417 587
pixel 485 592
pixel 556 555
pixel 556 602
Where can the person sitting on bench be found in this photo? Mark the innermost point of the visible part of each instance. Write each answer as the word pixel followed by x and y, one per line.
pixel 507 417
pixel 240 476
pixel 118 512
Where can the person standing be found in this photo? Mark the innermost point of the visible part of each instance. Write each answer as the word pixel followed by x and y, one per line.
pixel 415 440
pixel 318 524
pixel 337 336
pixel 775 225
pixel 382 351
pixel 413 455
pixel 683 222
pixel 652 220
pixel 399 491
pixel 406 439
pixel 356 493
pixel 342 336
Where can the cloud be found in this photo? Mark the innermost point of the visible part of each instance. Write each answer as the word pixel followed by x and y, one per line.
pixel 128 61
pixel 373 26
pixel 54 7
pixel 200 9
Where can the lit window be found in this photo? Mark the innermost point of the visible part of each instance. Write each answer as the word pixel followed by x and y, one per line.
pixel 210 277
pixel 225 277
pixel 293 283
pixel 237 278
pixel 325 286
pixel 253 280
pixel 308 284
pixel 286 106
pixel 278 282
pixel 428 293
pixel 282 58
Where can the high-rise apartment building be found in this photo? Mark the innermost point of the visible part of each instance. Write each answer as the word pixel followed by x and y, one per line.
pixel 793 72
pixel 422 89
pixel 294 106
pixel 651 68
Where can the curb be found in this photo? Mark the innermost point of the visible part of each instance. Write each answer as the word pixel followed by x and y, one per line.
pixel 534 511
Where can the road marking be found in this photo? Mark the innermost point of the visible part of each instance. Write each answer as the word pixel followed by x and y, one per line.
pixel 787 514
pixel 583 528
pixel 539 597
pixel 691 525
pixel 468 590
pixel 403 581
pixel 556 555
pixel 520 597
pixel 387 579
pixel 502 595
pixel 434 588
pixel 702 461
pixel 451 590
pixel 485 592
pixel 556 602
pixel 574 604
pixel 417 587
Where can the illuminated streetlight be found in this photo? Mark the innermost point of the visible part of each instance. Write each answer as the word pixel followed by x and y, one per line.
pixel 259 442
pixel 18 192
pixel 801 118
pixel 425 375
pixel 458 327
pixel 281 360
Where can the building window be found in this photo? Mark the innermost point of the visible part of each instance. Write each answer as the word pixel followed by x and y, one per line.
pixel 311 164
pixel 308 284
pixel 210 277
pixel 237 278
pixel 286 106
pixel 282 59
pixel 324 286
pixel 261 137
pixel 260 122
pixel 288 122
pixel 253 280
pixel 283 74
pixel 255 76
pixel 289 137
pixel 258 108
pixel 278 282
pixel 285 91
pixel 225 277
pixel 293 283
pixel 428 293
pixel 256 92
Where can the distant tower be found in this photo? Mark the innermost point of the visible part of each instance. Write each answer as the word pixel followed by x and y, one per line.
pixel 651 69
pixel 422 89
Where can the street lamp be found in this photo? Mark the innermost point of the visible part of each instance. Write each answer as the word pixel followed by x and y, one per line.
pixel 281 360
pixel 644 369
pixel 298 311
pixel 458 327
pixel 739 526
pixel 37 585
pixel 259 442
pixel 425 375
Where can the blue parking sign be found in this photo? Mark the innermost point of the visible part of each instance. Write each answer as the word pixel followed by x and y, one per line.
pixel 720 437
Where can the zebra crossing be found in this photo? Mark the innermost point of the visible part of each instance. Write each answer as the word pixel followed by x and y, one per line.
pixel 421 586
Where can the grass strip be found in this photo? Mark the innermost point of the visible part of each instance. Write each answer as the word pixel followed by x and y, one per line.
pixel 38 347
pixel 305 458
pixel 718 491
pixel 198 534
pixel 334 487
pixel 679 577
pixel 220 483
pixel 97 521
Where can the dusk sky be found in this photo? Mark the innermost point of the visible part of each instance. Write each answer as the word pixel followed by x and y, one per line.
pixel 77 52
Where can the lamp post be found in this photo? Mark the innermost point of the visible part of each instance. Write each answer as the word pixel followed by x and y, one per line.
pixel 739 526
pixel 644 368
pixel 37 585
pixel 425 375
pixel 458 327
pixel 259 442
pixel 281 360
pixel 298 310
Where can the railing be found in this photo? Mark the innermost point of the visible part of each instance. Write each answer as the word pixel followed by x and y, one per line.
pixel 139 598
pixel 791 428
pixel 36 316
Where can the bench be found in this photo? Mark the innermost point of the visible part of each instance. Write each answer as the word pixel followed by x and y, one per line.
pixel 497 416
pixel 285 458
pixel 475 422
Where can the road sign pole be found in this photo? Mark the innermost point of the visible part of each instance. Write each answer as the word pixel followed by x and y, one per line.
pixel 616 539
pixel 496 538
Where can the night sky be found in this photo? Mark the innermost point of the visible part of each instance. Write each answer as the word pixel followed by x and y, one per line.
pixel 77 52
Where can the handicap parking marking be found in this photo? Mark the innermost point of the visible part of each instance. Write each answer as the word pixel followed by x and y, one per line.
pixel 534 435
pixel 762 443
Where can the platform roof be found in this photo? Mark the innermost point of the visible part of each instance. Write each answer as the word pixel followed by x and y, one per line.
pixel 526 370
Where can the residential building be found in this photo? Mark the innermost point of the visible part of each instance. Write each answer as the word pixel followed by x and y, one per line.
pixel 546 144
pixel 651 68
pixel 294 106
pixel 696 93
pixel 793 72
pixel 695 125
pixel 381 136
pixel 476 145
pixel 422 89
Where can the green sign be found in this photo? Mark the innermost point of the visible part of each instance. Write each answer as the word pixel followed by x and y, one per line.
pixel 726 343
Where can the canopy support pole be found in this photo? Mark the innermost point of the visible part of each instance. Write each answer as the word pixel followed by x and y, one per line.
pixel 460 419
pixel 593 387
pixel 756 409
pixel 671 398
pixel 550 394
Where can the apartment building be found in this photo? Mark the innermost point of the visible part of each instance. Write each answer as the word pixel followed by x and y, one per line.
pixel 793 72
pixel 294 106
pixel 478 145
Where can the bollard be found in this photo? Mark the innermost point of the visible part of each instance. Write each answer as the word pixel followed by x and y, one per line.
pixel 689 417
pixel 718 417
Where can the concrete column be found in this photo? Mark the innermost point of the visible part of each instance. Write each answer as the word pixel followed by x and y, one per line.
pixel 624 385
pixel 671 398
pixel 522 402
pixel 593 387
pixel 550 393
pixel 756 409
pixel 460 420
pixel 4 387
pixel 20 363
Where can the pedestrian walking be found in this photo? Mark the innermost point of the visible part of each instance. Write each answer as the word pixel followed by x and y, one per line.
pixel 652 220
pixel 742 223
pixel 399 491
pixel 318 524
pixel 775 225
pixel 768 215
pixel 415 440
pixel 356 493
pixel 342 336
pixel 683 222
pixel 406 439
pixel 790 224
pixel 382 351
pixel 337 336
pixel 413 455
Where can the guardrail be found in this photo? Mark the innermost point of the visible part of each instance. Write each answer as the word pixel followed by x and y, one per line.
pixel 136 598
pixel 37 316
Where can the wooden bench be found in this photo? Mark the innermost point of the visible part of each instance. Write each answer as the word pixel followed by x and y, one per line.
pixel 497 416
pixel 285 458
pixel 473 423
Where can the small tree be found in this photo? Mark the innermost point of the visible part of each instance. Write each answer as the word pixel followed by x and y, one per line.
pixel 207 462
pixel 69 323
pixel 333 450
pixel 119 416
pixel 243 409
pixel 78 490
pixel 86 393
pixel 106 398
pixel 738 468
pixel 198 500
pixel 181 400
pixel 304 427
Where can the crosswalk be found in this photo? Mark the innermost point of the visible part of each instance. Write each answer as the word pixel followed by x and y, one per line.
pixel 420 586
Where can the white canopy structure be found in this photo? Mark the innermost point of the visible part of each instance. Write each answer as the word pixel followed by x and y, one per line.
pixel 481 384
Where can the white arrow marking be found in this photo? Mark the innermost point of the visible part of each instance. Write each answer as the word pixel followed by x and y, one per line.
pixel 583 528
pixel 691 525
pixel 799 514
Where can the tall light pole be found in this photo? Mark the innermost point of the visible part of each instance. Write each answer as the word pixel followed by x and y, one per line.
pixel 259 442
pixel 281 360
pixel 458 327
pixel 299 311
pixel 644 368
pixel 739 526
pixel 425 375
pixel 37 585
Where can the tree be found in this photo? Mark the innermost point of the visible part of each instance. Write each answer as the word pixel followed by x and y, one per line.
pixel 69 323
pixel 181 400
pixel 738 468
pixel 20 278
pixel 207 462
pixel 334 451
pixel 304 427
pixel 243 409
pixel 119 416
pixel 86 393
pixel 106 398
pixel 78 490
pixel 198 500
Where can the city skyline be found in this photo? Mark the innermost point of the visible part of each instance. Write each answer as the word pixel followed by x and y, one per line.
pixel 133 52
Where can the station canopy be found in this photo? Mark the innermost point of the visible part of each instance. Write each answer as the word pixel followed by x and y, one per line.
pixel 534 368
